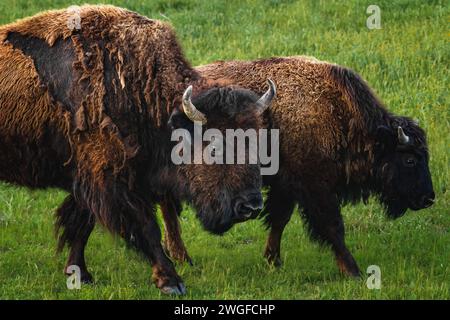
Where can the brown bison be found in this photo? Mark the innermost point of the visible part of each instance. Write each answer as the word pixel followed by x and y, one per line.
pixel 338 144
pixel 85 109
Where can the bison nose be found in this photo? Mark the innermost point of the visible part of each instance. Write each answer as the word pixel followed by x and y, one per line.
pixel 248 207
pixel 428 200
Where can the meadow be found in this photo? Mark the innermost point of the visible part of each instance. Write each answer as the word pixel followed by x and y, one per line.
pixel 407 64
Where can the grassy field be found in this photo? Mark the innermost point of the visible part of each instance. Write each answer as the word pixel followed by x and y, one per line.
pixel 406 62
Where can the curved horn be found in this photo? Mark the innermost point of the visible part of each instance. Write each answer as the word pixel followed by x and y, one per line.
pixel 266 100
pixel 402 137
pixel 190 110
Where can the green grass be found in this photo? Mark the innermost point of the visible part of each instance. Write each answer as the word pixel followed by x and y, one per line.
pixel 406 62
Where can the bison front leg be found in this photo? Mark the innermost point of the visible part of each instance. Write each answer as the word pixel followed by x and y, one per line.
pixel 171 209
pixel 164 274
pixel 278 209
pixel 74 226
pixel 323 216
pixel 142 232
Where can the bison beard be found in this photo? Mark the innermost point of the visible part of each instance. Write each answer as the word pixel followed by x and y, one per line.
pixel 337 145
pixel 86 111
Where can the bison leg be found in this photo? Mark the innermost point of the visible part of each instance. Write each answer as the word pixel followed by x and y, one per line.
pixel 143 233
pixel 322 213
pixel 77 224
pixel 279 207
pixel 173 242
pixel 164 274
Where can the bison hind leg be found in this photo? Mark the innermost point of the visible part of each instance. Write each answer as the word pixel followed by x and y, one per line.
pixel 326 226
pixel 73 227
pixel 131 215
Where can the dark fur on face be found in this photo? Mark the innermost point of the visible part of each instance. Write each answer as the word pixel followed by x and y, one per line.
pixel 401 171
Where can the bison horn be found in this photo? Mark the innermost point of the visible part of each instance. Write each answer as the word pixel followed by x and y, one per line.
pixel 402 137
pixel 266 100
pixel 190 110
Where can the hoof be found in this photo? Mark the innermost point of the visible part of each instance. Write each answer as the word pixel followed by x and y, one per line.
pixel 277 263
pixel 177 290
pixel 349 268
pixel 273 260
pixel 86 278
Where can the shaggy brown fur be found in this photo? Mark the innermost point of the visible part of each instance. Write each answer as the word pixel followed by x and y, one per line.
pixel 338 143
pixel 86 111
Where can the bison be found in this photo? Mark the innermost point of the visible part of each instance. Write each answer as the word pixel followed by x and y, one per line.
pixel 338 144
pixel 85 108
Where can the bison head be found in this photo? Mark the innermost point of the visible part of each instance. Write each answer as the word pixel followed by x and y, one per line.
pixel 402 171
pixel 223 192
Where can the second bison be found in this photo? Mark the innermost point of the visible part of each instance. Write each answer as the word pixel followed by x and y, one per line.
pixel 338 144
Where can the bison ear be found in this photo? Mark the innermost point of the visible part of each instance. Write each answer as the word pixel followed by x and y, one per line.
pixel 385 136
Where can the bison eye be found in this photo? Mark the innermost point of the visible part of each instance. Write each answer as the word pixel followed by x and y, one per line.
pixel 410 162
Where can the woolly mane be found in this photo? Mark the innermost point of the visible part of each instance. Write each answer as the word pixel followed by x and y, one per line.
pixel 368 109
pixel 123 43
pixel 118 76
